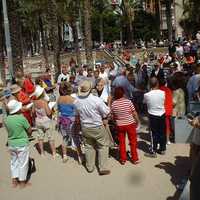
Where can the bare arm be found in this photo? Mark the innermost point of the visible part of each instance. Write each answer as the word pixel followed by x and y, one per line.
pixel 136 117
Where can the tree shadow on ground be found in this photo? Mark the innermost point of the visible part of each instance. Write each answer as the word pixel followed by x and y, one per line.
pixel 178 171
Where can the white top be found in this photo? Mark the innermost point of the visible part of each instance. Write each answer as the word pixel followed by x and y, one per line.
pixel 105 93
pixel 104 76
pixel 91 110
pixel 62 77
pixel 155 100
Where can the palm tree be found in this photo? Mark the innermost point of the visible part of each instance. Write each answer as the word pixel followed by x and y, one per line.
pixel 54 34
pixel 168 4
pixel 88 31
pixel 15 34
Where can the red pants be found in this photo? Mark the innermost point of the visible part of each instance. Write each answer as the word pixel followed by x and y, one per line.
pixel 131 131
pixel 168 125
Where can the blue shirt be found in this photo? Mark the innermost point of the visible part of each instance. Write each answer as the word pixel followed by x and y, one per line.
pixel 68 110
pixel 122 81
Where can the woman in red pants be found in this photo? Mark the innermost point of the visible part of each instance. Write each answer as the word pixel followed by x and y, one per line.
pixel 126 118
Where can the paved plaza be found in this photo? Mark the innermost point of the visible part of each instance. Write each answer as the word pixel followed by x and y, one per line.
pixel 153 179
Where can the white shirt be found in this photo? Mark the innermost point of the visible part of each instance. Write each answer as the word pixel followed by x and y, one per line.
pixel 91 110
pixel 62 77
pixel 104 76
pixel 155 100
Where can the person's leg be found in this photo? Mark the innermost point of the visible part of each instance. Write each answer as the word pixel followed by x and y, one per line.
pixel 23 157
pixel 102 142
pixel 52 147
pixel 168 128
pixel 90 152
pixel 122 144
pixel 162 133
pixel 41 146
pixel 131 131
pixel 154 130
pixel 49 133
pixel 14 167
pixel 40 135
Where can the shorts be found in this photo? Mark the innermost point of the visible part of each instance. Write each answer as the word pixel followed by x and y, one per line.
pixel 43 132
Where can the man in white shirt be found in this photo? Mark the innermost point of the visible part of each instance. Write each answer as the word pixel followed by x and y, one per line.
pixel 92 110
pixel 64 76
pixel 155 100
pixel 103 74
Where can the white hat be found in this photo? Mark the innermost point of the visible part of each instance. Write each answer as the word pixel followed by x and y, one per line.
pixel 14 106
pixel 38 91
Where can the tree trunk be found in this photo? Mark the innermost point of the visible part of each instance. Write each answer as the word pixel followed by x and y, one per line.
pixel 44 43
pixel 168 4
pixel 2 63
pixel 15 35
pixel 157 14
pixel 128 13
pixel 101 28
pixel 76 42
pixel 54 35
pixel 88 32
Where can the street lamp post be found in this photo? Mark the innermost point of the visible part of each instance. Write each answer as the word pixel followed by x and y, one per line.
pixel 7 36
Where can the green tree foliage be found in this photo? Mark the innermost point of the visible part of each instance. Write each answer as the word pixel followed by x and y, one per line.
pixel 145 26
pixel 191 17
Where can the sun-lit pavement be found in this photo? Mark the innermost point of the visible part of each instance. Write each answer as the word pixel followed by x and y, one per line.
pixel 153 179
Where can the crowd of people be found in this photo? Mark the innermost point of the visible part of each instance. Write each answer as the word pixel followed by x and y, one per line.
pixel 94 108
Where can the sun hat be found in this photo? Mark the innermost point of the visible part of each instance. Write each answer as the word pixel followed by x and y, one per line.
pixel 38 91
pixel 15 89
pixel 14 106
pixel 84 88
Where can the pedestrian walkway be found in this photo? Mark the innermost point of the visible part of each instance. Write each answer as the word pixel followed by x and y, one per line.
pixel 153 179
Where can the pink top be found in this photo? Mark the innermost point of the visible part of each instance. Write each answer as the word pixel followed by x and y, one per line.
pixel 122 110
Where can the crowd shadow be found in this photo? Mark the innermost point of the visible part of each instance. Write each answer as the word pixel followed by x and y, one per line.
pixel 178 171
pixel 143 142
pixel 70 152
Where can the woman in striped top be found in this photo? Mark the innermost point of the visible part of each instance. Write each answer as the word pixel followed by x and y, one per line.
pixel 126 118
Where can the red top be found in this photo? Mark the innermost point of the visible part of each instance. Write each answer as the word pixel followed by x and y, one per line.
pixel 168 100
pixel 122 110
pixel 28 86
pixel 23 97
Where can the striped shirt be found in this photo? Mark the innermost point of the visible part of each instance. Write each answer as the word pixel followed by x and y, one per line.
pixel 122 110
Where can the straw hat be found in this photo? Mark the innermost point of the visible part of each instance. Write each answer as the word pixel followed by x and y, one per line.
pixel 38 91
pixel 14 106
pixel 15 89
pixel 84 88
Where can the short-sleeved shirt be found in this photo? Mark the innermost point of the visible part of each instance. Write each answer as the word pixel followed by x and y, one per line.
pixel 17 126
pixel 122 110
pixel 155 100
pixel 91 110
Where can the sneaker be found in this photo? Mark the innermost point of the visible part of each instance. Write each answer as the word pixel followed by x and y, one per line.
pixel 168 143
pixel 151 155
pixel 104 172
